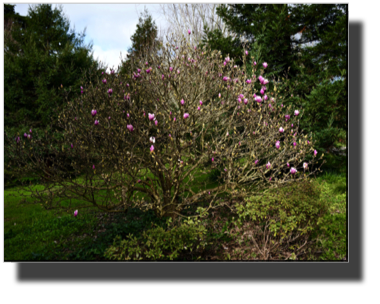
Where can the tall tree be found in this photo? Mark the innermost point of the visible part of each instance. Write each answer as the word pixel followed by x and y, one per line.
pixel 44 55
pixel 144 40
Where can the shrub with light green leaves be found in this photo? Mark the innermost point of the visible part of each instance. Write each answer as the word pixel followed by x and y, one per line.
pixel 159 243
pixel 280 221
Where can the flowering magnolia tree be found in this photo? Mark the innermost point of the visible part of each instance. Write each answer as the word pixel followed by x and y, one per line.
pixel 152 141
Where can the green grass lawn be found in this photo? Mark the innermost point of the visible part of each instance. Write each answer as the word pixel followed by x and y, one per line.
pixel 33 233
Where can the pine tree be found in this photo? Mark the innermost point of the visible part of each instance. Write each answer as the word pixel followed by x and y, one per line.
pixel 143 40
pixel 44 55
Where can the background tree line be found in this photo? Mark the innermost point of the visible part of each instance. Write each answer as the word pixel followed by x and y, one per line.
pixel 305 46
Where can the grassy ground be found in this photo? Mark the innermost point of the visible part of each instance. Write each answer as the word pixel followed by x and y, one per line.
pixel 33 233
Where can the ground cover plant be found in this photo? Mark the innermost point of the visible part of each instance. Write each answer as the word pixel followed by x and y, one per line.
pixel 186 151
pixel 45 235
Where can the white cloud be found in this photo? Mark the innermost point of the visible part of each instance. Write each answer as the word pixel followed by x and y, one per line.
pixel 108 26
pixel 110 57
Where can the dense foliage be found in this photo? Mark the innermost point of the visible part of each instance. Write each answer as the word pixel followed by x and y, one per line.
pixel 41 55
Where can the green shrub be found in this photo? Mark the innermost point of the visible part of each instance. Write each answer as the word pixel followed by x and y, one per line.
pixel 282 220
pixel 159 243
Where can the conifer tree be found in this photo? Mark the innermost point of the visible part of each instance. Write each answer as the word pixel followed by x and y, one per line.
pixel 43 56
pixel 143 40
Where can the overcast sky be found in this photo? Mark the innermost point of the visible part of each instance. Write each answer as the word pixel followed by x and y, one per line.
pixel 108 26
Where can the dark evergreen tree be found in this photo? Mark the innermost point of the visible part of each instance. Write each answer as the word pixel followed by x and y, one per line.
pixel 42 55
pixel 144 40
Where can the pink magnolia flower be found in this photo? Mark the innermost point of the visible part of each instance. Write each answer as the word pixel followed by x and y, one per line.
pixel 127 84
pixel 199 108
pixel 294 144
pixel 282 105
pixel 174 119
pixel 220 95
pixel 93 167
pixel 156 122
pixel 256 161
pixel 315 152
pixel 130 128
pixel 278 144
pixel 151 148
pixel 171 69
pixel 248 81
pixel 288 165
pixel 268 165
pixel 265 97
pixel 293 170
pixel 17 139
pixel 150 116
pixel 262 92
pixel 225 169
pixel 170 135
pixel 93 112
pixel 75 118
pixel 305 165
pixel 186 115
pixel 308 142
pixel 127 114
pixel 287 117
pixel 245 100
pixel 72 146
pixel 239 100
pixel 138 70
pixel 258 99
pixel 281 130
pixel 225 63
pixel 162 77
pixel 254 95
pixel 254 63
pixel 212 159
pixel 189 32
pixel 200 102
pixel 29 136
pixel 182 102
pixel 265 65
pixel 75 213
pixel 104 81
pixel 296 112
pixel 147 71
pixel 227 59
pixel 265 81
pixel 96 122
pixel 246 53
pixel 109 91
pixel 292 127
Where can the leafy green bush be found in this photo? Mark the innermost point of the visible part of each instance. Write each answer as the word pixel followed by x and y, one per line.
pixel 160 244
pixel 281 221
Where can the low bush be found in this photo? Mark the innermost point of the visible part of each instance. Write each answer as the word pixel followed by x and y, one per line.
pixel 279 222
pixel 159 243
